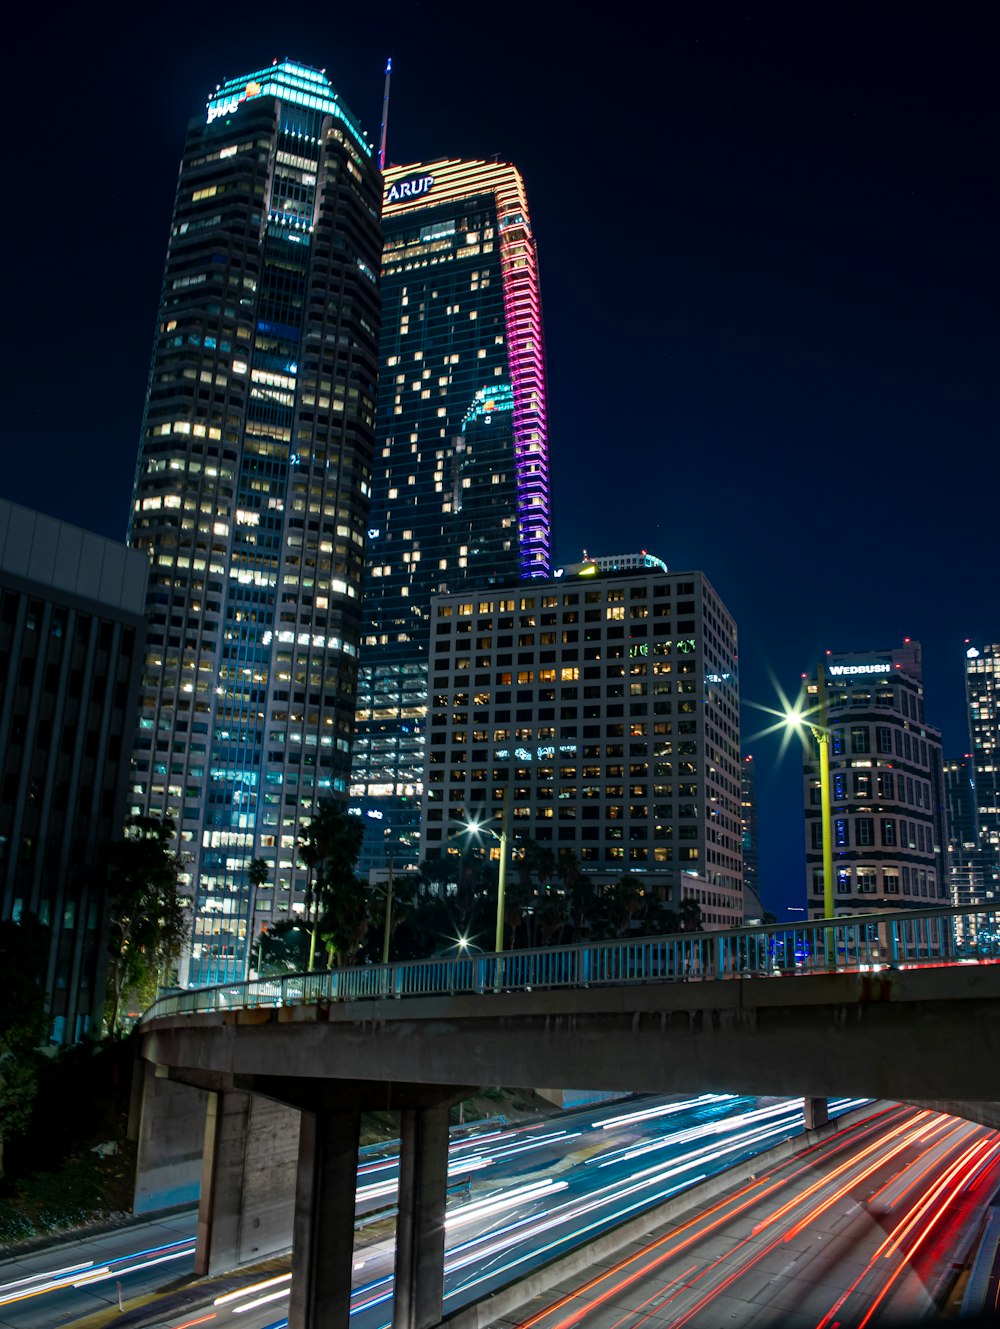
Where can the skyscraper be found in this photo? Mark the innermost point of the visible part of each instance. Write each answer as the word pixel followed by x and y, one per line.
pixel 608 701
pixel 750 836
pixel 460 492
pixel 982 694
pixel 888 814
pixel 969 865
pixel 71 632
pixel 252 490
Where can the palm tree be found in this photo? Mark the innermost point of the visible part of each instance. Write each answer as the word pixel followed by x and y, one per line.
pixel 328 848
pixel 624 899
pixel 257 873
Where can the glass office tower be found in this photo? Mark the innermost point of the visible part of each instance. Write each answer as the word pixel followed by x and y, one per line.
pixel 750 833
pixel 982 695
pixel 460 493
pixel 252 492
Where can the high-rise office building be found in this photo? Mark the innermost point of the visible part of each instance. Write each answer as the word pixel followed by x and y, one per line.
pixel 889 824
pixel 71 630
pixel 252 491
pixel 750 835
pixel 972 871
pixel 460 493
pixel 609 702
pixel 982 694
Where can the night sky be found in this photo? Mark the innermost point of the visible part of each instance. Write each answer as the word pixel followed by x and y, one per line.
pixel 768 250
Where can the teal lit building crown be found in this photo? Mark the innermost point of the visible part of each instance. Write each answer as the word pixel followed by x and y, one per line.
pixel 291 82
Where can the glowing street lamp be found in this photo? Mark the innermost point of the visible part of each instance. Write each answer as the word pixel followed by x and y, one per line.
pixel 503 838
pixel 796 719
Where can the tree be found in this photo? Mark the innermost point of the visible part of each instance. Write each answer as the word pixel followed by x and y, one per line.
pixel 282 949
pixel 623 899
pixel 24 950
pixel 336 901
pixel 551 913
pixel 690 915
pixel 148 923
pixel 258 870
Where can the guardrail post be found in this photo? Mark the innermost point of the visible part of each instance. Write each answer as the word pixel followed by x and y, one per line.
pixel 583 966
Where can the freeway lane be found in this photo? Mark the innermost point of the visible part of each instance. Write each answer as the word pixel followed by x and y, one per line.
pixel 520 1194
pixel 617 1161
pixel 54 1284
pixel 76 1276
pixel 856 1231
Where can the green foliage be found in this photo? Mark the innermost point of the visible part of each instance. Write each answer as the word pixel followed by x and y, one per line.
pixel 147 918
pixel 24 949
pixel 56 1178
pixel 85 1188
pixel 336 901
pixel 283 949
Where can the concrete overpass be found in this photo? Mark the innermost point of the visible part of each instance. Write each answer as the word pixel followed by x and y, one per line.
pixel 280 1087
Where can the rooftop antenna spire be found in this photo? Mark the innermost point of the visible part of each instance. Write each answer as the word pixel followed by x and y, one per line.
pixel 385 115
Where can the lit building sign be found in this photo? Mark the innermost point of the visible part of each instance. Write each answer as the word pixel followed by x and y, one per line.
pixel 685 645
pixel 859 669
pixel 542 752
pixel 233 104
pixel 412 188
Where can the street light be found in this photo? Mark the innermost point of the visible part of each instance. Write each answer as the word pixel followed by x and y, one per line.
pixel 503 837
pixel 796 719
pixel 815 721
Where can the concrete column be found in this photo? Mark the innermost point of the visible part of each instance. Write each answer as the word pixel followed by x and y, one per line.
pixel 323 1254
pixel 171 1134
pixel 423 1184
pixel 816 1112
pixel 223 1163
pixel 246 1206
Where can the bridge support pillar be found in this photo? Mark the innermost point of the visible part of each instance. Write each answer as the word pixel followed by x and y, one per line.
pixel 247 1198
pixel 170 1130
pixel 423 1184
pixel 816 1112
pixel 220 1203
pixel 323 1237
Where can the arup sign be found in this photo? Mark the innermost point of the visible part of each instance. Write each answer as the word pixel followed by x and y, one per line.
pixel 420 184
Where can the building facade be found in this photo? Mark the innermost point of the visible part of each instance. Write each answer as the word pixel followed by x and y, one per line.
pixel 252 492
pixel 608 701
pixel 750 835
pixel 972 872
pixel 982 694
pixel 71 632
pixel 889 823
pixel 460 489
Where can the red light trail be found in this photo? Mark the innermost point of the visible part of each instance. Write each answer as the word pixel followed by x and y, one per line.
pixel 826 1198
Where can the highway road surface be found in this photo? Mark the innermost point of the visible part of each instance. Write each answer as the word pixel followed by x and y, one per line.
pixel 860 1230
pixel 519 1195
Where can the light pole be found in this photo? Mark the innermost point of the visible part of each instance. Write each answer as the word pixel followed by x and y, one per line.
pixel 388 917
pixel 821 734
pixel 503 837
pixel 822 737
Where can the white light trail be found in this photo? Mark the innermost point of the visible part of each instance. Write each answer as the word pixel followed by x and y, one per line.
pixel 227 1297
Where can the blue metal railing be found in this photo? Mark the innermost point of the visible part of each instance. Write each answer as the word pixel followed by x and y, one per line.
pixel 855 942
